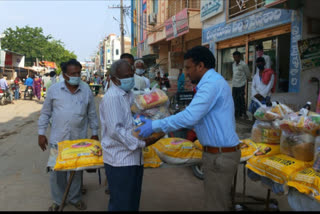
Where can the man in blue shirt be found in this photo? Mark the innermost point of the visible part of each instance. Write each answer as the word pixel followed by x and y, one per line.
pixel 211 114
pixel 28 82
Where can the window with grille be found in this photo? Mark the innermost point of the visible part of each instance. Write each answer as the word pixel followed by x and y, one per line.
pixel 239 7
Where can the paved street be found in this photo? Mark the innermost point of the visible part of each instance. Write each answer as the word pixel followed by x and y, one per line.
pixel 24 183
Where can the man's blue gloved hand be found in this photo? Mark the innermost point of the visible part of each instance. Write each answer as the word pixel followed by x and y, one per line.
pixel 146 129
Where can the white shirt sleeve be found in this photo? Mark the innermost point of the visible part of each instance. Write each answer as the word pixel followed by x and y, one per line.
pixel 147 82
pixel 268 61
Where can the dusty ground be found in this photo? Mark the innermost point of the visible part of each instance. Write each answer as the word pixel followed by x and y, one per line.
pixel 24 183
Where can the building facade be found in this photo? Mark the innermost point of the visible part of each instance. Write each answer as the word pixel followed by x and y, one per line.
pixel 230 25
pixel 110 51
pixel 163 30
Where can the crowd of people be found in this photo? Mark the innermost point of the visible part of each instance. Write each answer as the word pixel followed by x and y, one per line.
pixel 71 109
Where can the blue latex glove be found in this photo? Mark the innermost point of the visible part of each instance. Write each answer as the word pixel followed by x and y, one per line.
pixel 146 129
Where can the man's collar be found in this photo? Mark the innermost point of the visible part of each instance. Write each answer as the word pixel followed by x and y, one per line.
pixel 64 86
pixel 206 75
pixel 121 91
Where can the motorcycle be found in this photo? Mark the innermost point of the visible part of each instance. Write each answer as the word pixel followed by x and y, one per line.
pixel 4 97
pixel 29 93
pixel 44 92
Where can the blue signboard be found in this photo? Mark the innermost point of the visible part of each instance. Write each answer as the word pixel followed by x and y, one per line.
pixel 295 62
pixel 266 18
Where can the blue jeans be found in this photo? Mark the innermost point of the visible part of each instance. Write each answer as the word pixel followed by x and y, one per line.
pixel 125 187
pixel 254 105
pixel 58 184
pixel 16 94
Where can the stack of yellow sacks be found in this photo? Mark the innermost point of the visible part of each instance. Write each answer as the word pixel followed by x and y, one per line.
pixel 293 165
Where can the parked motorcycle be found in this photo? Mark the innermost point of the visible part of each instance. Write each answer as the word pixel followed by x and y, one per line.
pixel 29 93
pixel 4 97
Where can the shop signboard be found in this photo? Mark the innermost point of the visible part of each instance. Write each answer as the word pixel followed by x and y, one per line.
pixel 18 61
pixel 177 25
pixel 309 50
pixel 210 8
pixel 2 58
pixel 258 21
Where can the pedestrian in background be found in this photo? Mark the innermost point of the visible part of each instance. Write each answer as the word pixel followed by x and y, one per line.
pixel 181 79
pixel 211 113
pixel 241 74
pixel 17 88
pixel 71 106
pixel 37 87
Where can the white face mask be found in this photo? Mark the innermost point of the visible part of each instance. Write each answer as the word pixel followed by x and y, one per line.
pixel 140 71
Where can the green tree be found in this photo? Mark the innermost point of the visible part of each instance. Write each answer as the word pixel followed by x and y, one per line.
pixel 34 44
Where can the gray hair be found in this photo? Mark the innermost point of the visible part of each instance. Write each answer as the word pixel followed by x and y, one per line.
pixel 116 65
pixel 138 61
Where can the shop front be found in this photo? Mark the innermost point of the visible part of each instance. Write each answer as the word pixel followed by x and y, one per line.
pixel 279 31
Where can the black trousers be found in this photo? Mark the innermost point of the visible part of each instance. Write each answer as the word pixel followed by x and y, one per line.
pixel 125 187
pixel 239 102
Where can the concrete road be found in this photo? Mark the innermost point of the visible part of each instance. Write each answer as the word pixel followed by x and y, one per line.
pixel 24 183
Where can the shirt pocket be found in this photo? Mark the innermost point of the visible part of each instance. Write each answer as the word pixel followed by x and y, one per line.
pixel 80 113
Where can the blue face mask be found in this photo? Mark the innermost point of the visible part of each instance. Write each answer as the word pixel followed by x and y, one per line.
pixel 126 84
pixel 73 80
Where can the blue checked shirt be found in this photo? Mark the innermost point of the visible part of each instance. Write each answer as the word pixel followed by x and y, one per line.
pixel 211 113
pixel 70 113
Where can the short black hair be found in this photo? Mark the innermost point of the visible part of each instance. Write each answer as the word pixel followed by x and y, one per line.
pixel 259 47
pixel 260 59
pixel 201 54
pixel 236 53
pixel 69 63
pixel 127 56
pixel 52 73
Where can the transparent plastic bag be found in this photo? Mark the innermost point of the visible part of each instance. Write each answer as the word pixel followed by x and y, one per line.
pixel 152 99
pixel 265 114
pixel 265 132
pixel 297 145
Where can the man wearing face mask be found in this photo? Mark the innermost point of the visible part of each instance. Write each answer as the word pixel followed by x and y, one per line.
pixel 211 114
pixel 140 81
pixel 70 105
pixel 122 152
pixel 263 84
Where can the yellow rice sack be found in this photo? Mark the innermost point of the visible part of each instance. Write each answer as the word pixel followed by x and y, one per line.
pixel 198 145
pixel 78 155
pixel 278 167
pixel 265 149
pixel 150 158
pixel 248 149
pixel 177 151
pixel 307 182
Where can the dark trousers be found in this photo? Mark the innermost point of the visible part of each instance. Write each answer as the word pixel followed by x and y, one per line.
pixel 238 99
pixel 125 187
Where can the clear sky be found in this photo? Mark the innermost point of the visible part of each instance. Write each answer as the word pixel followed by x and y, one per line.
pixel 80 25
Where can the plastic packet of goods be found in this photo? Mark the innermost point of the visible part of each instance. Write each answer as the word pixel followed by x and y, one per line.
pixel 297 145
pixel 265 114
pixel 265 132
pixel 157 112
pixel 282 110
pixel 150 100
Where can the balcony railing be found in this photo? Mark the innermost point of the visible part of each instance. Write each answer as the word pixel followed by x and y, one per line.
pixel 175 6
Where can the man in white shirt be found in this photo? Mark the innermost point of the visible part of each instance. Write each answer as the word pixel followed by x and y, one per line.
pixel 122 152
pixel 140 82
pixel 260 53
pixel 260 91
pixel 241 73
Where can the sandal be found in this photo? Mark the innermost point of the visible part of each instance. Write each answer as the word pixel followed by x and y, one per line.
pixel 80 205
pixel 54 207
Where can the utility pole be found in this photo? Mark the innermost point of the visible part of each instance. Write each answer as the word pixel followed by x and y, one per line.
pixel 121 22
pixel 121 27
